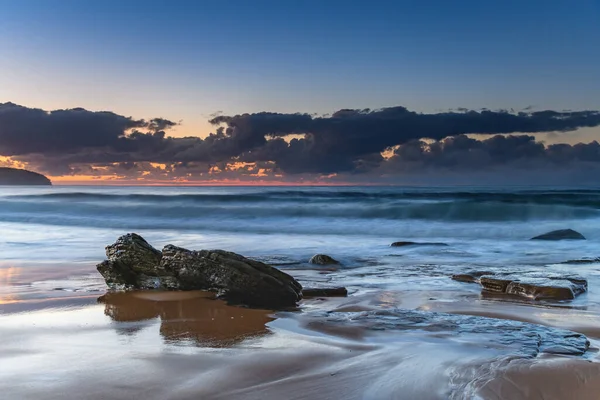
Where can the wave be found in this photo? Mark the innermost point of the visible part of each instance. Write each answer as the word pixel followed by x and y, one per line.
pixel 446 211
pixel 576 198
pixel 277 209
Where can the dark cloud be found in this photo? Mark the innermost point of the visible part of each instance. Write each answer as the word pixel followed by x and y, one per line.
pixel 463 153
pixel 347 142
pixel 30 130
pixel 348 138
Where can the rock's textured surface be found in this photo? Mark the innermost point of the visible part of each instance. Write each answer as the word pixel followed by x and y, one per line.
pixel 233 276
pixel 561 234
pixel 535 286
pixel 532 285
pixel 132 249
pixel 323 259
pixel 134 264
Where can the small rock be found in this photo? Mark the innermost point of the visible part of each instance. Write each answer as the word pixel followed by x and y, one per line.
pixel 323 259
pixel 583 261
pixel 561 234
pixel 325 292
pixel 404 244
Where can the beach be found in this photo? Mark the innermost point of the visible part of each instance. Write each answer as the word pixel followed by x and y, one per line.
pixel 406 330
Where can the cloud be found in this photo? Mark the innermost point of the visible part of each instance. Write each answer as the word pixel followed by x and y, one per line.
pixel 463 153
pixel 346 143
pixel 347 138
pixel 29 130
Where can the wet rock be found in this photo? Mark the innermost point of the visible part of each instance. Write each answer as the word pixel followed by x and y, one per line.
pixel 466 278
pixel 233 276
pixel 323 259
pixel 133 250
pixel 583 261
pixel 519 338
pixel 561 234
pixel 535 286
pixel 325 292
pixel 134 264
pixel 404 244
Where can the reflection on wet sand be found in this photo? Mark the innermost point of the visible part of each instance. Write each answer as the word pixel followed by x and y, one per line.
pixel 188 316
pixel 6 281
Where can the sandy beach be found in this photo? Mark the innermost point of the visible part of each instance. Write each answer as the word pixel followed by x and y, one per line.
pixel 188 345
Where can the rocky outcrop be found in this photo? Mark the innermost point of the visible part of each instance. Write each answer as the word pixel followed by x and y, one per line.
pixel 404 244
pixel 561 234
pixel 134 264
pixel 14 176
pixel 323 259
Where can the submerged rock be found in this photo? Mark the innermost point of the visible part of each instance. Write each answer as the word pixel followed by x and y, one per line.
pixel 561 234
pixel 535 286
pixel 323 259
pixel 325 292
pixel 134 264
pixel 403 244
pixel 522 339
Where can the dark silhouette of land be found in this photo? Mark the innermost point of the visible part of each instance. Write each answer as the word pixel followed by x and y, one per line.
pixel 13 176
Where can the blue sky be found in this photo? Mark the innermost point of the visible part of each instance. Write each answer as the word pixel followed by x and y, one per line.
pixel 185 60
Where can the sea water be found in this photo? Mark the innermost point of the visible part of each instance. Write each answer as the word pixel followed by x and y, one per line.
pixel 484 228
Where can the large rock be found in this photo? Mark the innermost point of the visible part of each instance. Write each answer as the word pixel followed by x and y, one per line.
pixel 561 234
pixel 134 264
pixel 535 286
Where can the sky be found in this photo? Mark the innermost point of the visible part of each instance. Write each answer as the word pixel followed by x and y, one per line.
pixel 187 62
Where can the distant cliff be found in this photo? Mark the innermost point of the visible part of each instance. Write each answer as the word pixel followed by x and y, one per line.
pixel 12 176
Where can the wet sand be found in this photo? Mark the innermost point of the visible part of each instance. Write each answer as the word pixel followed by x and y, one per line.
pixel 187 345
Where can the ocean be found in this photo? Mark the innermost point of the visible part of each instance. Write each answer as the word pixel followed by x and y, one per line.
pixel 482 225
